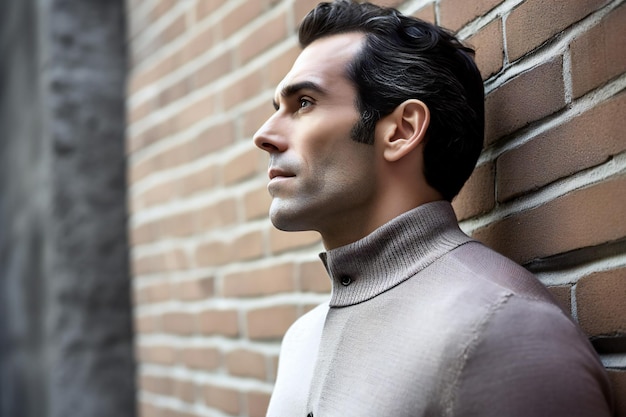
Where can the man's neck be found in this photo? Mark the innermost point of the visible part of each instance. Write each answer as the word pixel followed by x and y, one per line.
pixel 349 230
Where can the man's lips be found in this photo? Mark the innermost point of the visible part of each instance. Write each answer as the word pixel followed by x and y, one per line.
pixel 278 173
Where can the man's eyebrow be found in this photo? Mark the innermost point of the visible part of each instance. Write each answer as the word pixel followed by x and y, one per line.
pixel 292 89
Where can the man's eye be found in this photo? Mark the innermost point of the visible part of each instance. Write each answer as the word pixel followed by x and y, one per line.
pixel 305 102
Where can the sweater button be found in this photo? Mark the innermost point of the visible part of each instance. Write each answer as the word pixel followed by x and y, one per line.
pixel 309 415
pixel 345 280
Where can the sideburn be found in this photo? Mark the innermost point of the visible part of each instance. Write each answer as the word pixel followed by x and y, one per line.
pixel 363 130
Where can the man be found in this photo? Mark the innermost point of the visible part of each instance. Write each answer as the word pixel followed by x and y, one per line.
pixel 377 126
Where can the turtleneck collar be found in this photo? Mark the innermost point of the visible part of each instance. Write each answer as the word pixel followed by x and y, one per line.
pixel 392 253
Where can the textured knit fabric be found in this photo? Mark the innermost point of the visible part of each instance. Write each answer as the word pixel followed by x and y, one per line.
pixel 425 321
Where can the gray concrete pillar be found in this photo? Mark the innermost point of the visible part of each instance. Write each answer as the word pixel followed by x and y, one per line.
pixel 65 310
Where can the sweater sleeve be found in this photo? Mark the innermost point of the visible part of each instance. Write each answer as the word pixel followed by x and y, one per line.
pixel 532 361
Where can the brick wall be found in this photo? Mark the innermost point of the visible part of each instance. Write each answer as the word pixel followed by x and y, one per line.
pixel 216 286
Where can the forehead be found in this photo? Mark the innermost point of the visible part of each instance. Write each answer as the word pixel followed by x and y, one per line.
pixel 324 61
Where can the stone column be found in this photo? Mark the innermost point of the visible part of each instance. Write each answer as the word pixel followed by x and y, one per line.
pixel 65 318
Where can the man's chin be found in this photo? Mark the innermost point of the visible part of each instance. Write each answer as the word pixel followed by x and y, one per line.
pixel 287 226
pixel 288 221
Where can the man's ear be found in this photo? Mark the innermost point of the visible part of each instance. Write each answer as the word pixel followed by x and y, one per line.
pixel 404 129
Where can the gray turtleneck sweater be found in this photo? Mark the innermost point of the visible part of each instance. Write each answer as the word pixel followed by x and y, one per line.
pixel 425 321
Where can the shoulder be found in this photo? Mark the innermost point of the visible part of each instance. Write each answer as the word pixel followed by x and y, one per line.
pixel 304 334
pixel 296 364
pixel 520 344
pixel 530 349
pixel 482 268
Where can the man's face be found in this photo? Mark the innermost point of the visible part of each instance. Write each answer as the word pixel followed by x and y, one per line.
pixel 320 179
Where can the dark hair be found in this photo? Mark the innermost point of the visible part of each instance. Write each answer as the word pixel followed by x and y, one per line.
pixel 406 58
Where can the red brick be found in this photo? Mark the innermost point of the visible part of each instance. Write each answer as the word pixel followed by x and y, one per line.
pixel 220 322
pixel 265 36
pixel 144 233
pixel 206 7
pixel 241 89
pixel 488 43
pixel 156 384
pixel 179 323
pixel 174 260
pixel 178 225
pixel 273 368
pixel 283 241
pixel 270 323
pixel 524 99
pixel 225 399
pixel 195 112
pixel 477 195
pixel 270 280
pixel 258 403
pixel 245 363
pixel 166 159
pixel 200 43
pixel 140 170
pixel 535 21
pixel 162 355
pixel 173 30
pixel 149 410
pixel 257 203
pixel 178 413
pixel 248 246
pixel 174 92
pixel 145 77
pixel 598 55
pixel 585 217
pixel 146 324
pixel 140 111
pixel 161 8
pixel 601 302
pixel 214 69
pixel 203 358
pixel 313 277
pixel 563 296
pixel 137 56
pixel 158 292
pixel 199 181
pixel 618 383
pixel 426 13
pixel 213 253
pixel 196 289
pixel 240 17
pixel 243 166
pixel 254 118
pixel 586 141
pixel 147 137
pixel 214 138
pixel 158 194
pixel 308 307
pixel 302 7
pixel 456 13
pixel 184 390
pixel 388 3
pixel 186 117
pixel 217 215
pixel 278 67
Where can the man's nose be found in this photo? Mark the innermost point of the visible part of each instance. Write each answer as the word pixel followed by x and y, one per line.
pixel 269 137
